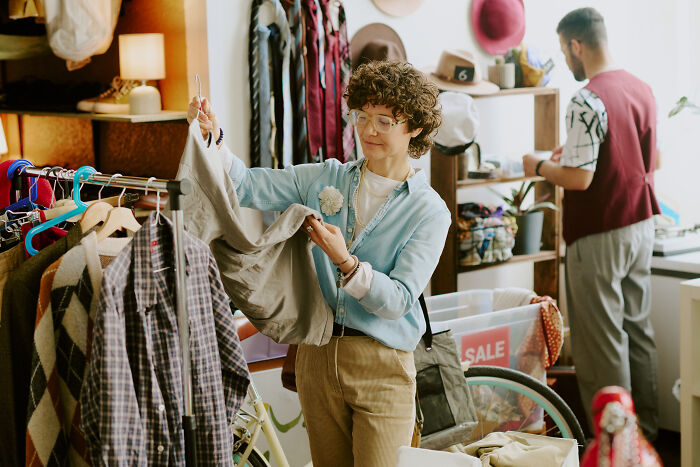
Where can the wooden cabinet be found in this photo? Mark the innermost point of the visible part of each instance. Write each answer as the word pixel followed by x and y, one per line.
pixel 138 145
pixel 444 179
pixel 128 144
pixel 690 373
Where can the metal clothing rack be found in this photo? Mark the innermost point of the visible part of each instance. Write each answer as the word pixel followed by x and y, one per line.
pixel 176 189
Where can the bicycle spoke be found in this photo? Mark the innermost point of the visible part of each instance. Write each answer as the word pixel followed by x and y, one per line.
pixel 551 429
pixel 479 419
pixel 528 418
pixel 525 417
pixel 488 407
pixel 522 404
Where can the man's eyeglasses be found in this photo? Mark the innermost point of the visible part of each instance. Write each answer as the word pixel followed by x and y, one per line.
pixel 382 123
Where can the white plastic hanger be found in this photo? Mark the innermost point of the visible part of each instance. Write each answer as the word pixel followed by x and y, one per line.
pixel 156 220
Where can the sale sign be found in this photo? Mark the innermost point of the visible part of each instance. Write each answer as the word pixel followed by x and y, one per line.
pixel 490 347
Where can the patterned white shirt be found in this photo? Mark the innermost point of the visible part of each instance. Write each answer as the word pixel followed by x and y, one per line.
pixel 586 127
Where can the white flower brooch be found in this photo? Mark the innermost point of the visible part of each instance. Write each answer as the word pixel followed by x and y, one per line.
pixel 331 200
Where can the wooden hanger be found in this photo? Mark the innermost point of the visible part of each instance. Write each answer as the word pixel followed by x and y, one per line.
pixel 66 205
pixel 95 214
pixel 118 219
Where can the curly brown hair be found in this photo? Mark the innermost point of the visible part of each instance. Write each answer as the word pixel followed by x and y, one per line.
pixel 406 91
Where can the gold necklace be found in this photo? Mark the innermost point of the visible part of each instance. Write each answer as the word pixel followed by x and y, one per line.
pixel 356 202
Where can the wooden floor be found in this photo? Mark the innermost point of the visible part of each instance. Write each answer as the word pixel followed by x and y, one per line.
pixel 668 445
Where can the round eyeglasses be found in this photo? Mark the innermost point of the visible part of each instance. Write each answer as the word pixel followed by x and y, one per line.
pixel 382 123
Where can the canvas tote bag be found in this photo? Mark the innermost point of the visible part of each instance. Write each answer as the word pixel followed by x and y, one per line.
pixel 442 391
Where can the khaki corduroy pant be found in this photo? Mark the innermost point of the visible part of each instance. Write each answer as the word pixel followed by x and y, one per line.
pixel 358 399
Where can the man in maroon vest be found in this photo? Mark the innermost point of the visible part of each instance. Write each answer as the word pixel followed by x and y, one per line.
pixel 607 168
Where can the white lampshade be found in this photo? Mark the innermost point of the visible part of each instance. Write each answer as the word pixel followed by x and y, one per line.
pixel 3 140
pixel 141 56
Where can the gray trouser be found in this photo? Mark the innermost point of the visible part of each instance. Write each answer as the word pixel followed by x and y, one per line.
pixel 608 287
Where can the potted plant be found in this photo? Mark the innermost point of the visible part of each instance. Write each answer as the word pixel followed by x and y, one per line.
pixel 529 219
pixel 683 103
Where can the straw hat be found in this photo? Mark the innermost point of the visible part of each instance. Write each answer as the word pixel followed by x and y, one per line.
pixel 398 7
pixel 376 41
pixel 458 71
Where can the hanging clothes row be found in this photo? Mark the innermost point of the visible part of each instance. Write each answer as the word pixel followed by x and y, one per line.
pixel 74 33
pixel 299 67
pixel 90 340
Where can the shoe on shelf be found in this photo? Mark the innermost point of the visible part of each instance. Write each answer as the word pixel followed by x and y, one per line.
pixel 114 100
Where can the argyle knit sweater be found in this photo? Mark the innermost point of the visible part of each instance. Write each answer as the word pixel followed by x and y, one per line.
pixel 62 337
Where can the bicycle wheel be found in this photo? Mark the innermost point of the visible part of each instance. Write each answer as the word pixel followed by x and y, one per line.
pixel 254 460
pixel 509 400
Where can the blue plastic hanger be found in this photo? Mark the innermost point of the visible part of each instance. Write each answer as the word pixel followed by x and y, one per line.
pixel 26 203
pixel 84 173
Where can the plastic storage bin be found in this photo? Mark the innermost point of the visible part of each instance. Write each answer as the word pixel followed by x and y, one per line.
pixel 506 338
pixel 511 338
pixel 259 347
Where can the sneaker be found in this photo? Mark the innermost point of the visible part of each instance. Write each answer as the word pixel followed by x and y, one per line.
pixel 114 100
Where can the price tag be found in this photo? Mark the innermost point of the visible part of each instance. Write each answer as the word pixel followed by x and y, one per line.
pixel 549 64
pixel 464 73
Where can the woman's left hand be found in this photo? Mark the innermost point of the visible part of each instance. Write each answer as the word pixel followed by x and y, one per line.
pixel 328 237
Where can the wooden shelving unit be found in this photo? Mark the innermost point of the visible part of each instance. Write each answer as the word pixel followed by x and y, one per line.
pixel 546 255
pixel 163 116
pixel 496 181
pixel 139 145
pixel 444 172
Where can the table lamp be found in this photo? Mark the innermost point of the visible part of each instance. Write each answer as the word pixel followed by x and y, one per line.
pixel 3 140
pixel 141 57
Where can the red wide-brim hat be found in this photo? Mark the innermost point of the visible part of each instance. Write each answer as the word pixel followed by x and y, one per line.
pixel 498 24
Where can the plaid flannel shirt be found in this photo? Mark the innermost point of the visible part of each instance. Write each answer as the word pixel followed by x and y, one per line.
pixel 132 399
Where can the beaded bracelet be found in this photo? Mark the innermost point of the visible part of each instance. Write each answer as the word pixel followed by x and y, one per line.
pixel 342 277
pixel 347 277
pixel 221 137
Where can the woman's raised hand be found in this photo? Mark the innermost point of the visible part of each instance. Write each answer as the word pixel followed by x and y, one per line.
pixel 204 114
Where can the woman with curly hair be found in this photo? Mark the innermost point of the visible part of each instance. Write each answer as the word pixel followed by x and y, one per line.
pixel 382 234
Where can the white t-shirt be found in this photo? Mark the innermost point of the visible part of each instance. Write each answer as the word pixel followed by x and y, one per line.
pixel 373 192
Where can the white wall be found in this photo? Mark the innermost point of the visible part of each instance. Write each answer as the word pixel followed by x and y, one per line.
pixel 653 39
pixel 227 37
